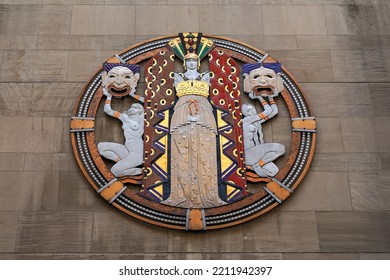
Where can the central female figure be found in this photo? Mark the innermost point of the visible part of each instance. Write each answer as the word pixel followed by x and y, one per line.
pixel 194 173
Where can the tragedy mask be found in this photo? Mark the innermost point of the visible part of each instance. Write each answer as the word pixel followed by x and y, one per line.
pixel 263 79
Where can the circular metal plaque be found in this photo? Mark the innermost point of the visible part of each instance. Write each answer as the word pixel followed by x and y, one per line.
pixel 139 198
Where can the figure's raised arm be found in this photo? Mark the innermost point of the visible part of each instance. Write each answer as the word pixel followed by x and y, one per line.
pixel 251 116
pixel 268 110
pixel 107 105
pixel 136 97
pixel 274 107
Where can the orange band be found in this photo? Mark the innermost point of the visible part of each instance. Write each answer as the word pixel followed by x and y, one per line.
pixel 116 114
pixel 263 116
pixel 264 102
pixel 108 102
pixel 271 102
pixel 261 163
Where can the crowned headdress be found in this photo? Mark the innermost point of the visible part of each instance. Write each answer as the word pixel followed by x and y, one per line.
pixel 191 45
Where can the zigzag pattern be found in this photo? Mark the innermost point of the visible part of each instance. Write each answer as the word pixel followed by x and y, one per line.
pixel 159 98
pixel 225 97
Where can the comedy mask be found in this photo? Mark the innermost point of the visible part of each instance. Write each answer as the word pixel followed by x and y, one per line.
pixel 119 78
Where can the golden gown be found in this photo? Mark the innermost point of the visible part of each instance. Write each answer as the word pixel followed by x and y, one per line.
pixel 194 173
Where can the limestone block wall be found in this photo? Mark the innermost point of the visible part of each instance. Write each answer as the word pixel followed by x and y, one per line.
pixel 338 49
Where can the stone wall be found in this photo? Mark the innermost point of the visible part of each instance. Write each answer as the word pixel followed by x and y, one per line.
pixel 338 49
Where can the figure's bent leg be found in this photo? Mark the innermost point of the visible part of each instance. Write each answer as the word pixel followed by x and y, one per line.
pixel 269 152
pixel 127 166
pixel 112 151
pixel 119 172
pixel 275 150
pixel 265 170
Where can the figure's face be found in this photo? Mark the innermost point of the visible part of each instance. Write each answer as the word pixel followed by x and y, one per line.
pixel 135 109
pixel 263 82
pixel 248 110
pixel 191 63
pixel 119 80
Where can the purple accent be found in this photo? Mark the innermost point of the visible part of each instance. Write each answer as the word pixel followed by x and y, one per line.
pixel 133 67
pixel 160 171
pixel 247 68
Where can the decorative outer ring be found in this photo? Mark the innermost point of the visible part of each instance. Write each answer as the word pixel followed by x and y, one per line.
pixel 301 154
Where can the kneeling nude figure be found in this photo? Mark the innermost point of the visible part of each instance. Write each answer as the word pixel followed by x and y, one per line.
pixel 259 155
pixel 130 155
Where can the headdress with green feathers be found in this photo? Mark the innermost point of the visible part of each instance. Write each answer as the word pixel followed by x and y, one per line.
pixel 191 42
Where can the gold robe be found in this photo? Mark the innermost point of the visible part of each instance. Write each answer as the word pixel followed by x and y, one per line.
pixel 194 173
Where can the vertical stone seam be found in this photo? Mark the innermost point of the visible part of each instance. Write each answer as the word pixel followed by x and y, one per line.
pixel 68 65
pixel 68 50
pixel 262 19
pixel 330 51
pixel 17 230
pixel 1 62
pixel 198 19
pixel 135 19
pixel 71 20
pixel 326 19
pixel 350 191
pixel 30 109
pixel 102 41
pixel 318 233
pixel 92 226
